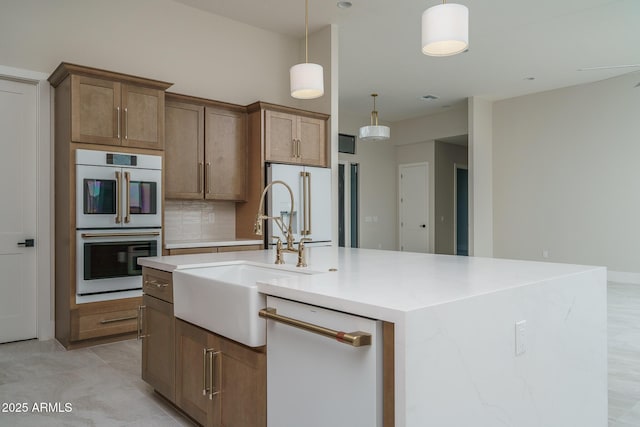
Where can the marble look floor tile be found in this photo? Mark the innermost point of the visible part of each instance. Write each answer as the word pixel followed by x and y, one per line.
pixel 38 365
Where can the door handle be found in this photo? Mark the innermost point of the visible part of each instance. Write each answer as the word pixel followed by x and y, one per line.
pixel 28 243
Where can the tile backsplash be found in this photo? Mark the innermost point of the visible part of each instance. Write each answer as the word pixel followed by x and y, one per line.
pixel 199 219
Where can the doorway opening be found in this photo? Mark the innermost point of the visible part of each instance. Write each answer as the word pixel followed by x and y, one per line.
pixel 348 205
pixel 461 210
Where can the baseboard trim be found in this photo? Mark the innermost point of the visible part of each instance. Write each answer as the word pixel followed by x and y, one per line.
pixel 623 277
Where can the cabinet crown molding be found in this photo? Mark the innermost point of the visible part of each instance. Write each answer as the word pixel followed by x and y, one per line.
pixel 65 69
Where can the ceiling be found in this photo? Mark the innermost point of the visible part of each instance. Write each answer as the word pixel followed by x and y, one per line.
pixel 510 42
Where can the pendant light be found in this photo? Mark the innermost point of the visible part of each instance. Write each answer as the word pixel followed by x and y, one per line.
pixel 374 132
pixel 445 29
pixel 307 81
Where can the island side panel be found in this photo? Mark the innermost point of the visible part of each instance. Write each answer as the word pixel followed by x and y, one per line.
pixel 462 368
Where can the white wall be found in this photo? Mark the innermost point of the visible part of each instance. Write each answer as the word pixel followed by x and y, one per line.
pixel 565 175
pixel 201 53
pixel 450 122
pixel 377 186
pixel 480 177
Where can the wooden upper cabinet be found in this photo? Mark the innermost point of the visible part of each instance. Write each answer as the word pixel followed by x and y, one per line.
pixel 205 149
pixel 293 138
pixel 280 137
pixel 142 117
pixel 112 108
pixel 225 154
pixel 313 143
pixel 95 105
pixel 184 151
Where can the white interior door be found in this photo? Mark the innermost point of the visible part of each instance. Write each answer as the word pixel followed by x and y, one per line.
pixel 18 174
pixel 414 207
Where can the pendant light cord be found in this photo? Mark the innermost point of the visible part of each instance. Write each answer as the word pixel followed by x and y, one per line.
pixel 306 31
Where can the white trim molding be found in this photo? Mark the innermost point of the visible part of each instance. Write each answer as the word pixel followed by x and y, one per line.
pixel 43 169
pixel 623 277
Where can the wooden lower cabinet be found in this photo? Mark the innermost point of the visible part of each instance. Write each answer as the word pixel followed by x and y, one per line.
pixel 218 381
pixel 158 345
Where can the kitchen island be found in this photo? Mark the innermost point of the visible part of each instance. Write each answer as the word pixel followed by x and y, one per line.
pixel 477 341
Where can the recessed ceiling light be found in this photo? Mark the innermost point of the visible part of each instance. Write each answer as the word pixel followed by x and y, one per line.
pixel 344 4
pixel 429 97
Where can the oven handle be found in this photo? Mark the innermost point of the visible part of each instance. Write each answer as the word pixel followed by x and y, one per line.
pixel 127 182
pixel 118 184
pixel 97 235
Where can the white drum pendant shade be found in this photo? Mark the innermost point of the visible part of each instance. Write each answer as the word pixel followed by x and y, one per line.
pixel 445 29
pixel 374 133
pixel 307 81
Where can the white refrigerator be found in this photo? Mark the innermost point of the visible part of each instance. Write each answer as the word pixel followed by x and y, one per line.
pixel 312 211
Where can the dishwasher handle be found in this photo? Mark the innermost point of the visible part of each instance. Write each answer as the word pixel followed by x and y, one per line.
pixel 355 339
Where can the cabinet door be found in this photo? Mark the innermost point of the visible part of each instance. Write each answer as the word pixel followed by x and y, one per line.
pixel 244 386
pixel 95 111
pixel 313 146
pixel 280 133
pixel 143 117
pixel 184 151
pixel 192 373
pixel 158 346
pixel 225 154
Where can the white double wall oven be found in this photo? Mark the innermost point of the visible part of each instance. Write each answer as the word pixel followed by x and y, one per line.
pixel 118 220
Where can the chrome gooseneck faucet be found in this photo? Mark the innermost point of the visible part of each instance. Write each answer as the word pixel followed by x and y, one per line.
pixel 286 231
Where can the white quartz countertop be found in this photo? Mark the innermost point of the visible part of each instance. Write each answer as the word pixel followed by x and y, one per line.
pixel 208 243
pixel 381 284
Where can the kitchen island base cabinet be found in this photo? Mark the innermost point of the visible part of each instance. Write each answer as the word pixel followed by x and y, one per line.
pixel 218 381
pixel 158 343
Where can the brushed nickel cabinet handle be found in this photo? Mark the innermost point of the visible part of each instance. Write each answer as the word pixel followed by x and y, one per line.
pixel 212 376
pixel 140 320
pixel 118 185
pixel 156 284
pixel 355 339
pixel 293 148
pixel 127 182
pixel 200 178
pixel 126 123
pixel 207 178
pixel 118 119
pixel 205 389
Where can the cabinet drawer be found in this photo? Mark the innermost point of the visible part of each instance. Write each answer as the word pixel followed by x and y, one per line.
pixel 157 283
pixel 104 321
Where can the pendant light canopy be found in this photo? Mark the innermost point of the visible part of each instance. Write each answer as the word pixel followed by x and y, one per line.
pixel 374 132
pixel 445 29
pixel 307 81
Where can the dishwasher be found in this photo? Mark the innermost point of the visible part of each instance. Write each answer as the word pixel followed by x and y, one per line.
pixel 324 367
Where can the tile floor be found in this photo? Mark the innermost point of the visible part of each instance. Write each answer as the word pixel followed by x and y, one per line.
pixel 104 387
pixel 101 383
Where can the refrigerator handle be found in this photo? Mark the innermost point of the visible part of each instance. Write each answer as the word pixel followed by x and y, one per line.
pixel 305 204
pixel 309 202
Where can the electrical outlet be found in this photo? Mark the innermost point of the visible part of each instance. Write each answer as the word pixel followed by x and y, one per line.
pixel 545 253
pixel 521 337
